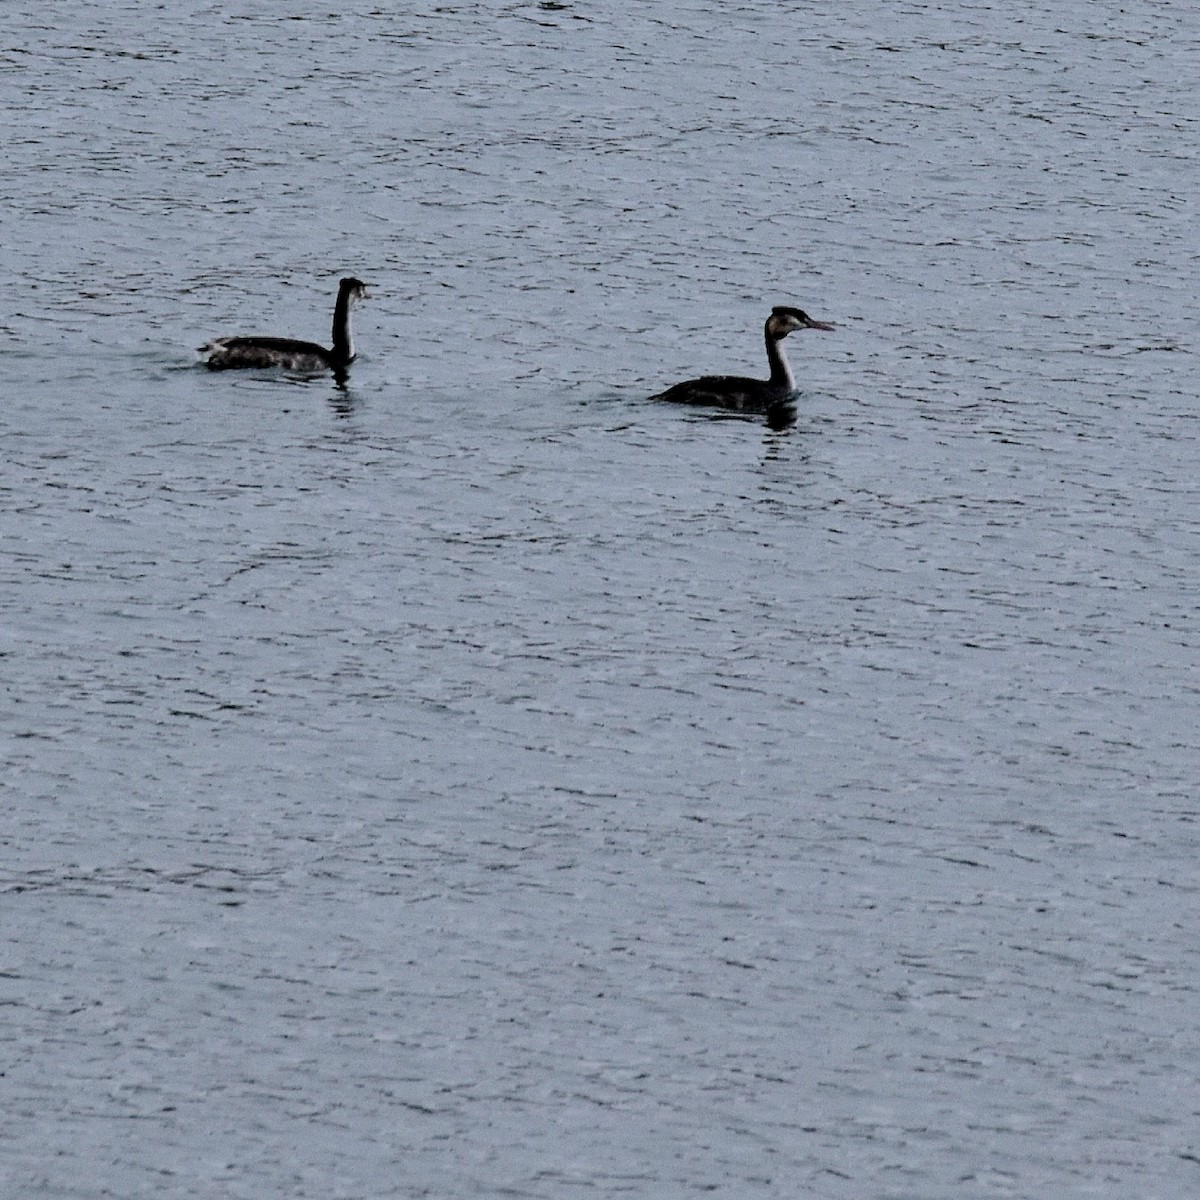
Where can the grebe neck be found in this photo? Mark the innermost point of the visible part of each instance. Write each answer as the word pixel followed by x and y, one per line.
pixel 343 342
pixel 781 371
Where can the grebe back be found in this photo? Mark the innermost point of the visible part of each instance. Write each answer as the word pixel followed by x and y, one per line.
pixel 751 395
pixel 291 353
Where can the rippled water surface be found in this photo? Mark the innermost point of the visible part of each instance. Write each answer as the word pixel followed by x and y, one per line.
pixel 481 781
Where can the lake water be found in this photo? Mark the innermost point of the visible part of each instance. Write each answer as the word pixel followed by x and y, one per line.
pixel 483 782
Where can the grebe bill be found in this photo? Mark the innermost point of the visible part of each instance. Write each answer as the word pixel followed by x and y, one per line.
pixel 290 353
pixel 751 395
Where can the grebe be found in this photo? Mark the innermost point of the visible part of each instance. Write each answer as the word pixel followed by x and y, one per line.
pixel 751 395
pixel 290 353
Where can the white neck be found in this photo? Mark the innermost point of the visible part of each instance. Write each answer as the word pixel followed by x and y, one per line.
pixel 781 369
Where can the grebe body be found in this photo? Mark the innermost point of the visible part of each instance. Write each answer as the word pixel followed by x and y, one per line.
pixel 290 353
pixel 744 394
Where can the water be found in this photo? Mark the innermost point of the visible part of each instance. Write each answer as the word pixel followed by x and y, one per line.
pixel 483 782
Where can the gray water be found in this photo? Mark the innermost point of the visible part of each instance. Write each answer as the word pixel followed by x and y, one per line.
pixel 483 782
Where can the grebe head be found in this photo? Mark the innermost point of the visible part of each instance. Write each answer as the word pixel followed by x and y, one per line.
pixel 784 320
pixel 352 289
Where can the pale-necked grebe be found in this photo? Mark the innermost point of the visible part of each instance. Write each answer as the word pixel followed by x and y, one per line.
pixel 751 395
pixel 290 353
